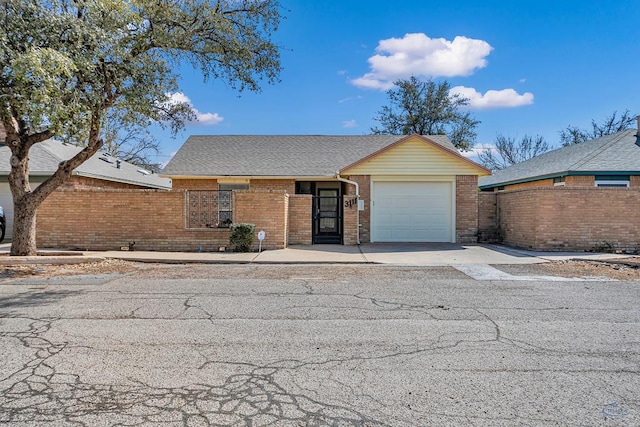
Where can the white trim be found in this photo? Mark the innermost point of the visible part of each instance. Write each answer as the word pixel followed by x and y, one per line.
pixel 621 183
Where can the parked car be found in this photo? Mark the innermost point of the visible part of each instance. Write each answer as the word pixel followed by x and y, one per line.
pixel 3 224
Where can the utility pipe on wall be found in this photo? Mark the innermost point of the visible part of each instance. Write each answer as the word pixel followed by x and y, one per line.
pixel 355 184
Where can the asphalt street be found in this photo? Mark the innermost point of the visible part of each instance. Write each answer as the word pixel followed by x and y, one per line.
pixel 286 345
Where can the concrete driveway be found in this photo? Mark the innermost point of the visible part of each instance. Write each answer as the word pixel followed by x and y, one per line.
pixel 316 345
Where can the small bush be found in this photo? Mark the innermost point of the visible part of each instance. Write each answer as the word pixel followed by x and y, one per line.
pixel 242 236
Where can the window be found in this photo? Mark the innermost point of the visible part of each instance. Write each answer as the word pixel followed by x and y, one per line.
pixel 621 181
pixel 210 208
pixel 225 206
pixel 559 181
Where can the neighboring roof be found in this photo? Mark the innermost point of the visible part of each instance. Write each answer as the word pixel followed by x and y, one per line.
pixel 280 155
pixel 618 153
pixel 45 156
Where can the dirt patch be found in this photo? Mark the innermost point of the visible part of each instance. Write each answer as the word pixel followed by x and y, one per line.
pixel 99 267
pixel 619 269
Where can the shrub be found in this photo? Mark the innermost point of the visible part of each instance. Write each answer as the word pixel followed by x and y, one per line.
pixel 242 236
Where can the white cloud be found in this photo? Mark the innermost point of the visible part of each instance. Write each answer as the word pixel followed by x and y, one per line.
pixel 348 99
pixel 419 55
pixel 349 124
pixel 201 118
pixel 477 149
pixel 505 98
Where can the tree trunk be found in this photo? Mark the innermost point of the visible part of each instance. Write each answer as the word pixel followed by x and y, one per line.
pixel 24 228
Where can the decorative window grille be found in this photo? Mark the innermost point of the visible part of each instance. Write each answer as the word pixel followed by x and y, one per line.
pixel 209 208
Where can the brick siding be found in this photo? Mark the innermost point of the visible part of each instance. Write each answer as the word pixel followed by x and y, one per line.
pixel 194 184
pixel 580 181
pixel 286 185
pixel 107 219
pixel 565 218
pixel 466 209
pixel 488 231
pixel 267 210
pixel 300 219
pixel 364 183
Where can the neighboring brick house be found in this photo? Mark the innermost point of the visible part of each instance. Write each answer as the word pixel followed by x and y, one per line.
pixel 581 197
pixel 99 172
pixel 338 189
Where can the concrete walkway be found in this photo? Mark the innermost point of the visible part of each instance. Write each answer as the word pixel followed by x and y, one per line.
pixel 415 254
pixel 432 254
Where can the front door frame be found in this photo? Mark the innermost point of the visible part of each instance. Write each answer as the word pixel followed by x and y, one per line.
pixel 327 209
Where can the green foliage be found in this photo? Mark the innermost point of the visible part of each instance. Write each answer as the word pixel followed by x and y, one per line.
pixel 241 236
pixel 427 108
pixel 66 64
pixel 508 151
pixel 611 124
pixel 604 247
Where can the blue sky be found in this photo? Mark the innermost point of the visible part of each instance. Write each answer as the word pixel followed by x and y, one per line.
pixel 529 67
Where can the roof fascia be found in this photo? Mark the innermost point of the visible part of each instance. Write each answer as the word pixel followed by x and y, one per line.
pixel 296 178
pixel 557 175
pixel 124 181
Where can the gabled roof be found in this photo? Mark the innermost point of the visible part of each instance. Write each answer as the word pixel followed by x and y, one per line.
pixel 45 156
pixel 279 155
pixel 616 154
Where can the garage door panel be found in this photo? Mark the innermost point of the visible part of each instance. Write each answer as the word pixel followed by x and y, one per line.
pixel 412 212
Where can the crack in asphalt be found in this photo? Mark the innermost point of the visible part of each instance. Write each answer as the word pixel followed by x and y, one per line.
pixel 37 392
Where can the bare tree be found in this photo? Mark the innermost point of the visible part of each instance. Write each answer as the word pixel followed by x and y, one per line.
pixel 131 142
pixel 612 124
pixel 508 151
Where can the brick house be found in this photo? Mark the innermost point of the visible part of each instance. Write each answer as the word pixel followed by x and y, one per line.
pixel 581 197
pixel 334 189
pixel 99 172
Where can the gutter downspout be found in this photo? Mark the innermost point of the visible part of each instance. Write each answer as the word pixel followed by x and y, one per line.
pixel 355 184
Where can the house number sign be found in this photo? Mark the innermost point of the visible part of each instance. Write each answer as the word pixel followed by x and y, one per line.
pixel 349 203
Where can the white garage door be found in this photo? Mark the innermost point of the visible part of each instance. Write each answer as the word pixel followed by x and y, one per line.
pixel 411 212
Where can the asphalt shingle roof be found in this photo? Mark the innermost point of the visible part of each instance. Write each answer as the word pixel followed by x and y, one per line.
pixel 619 152
pixel 277 155
pixel 45 156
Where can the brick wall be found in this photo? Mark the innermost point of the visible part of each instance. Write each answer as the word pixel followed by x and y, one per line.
pixel 364 182
pixel 267 210
pixel 287 185
pixel 567 218
pixel 350 219
pixel 300 219
pixel 580 181
pixel 194 184
pixel 488 231
pixel 466 209
pixel 539 183
pixel 107 219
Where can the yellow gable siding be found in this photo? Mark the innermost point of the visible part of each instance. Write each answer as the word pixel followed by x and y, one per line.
pixel 413 157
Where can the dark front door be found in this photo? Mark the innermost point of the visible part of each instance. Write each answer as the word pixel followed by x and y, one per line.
pixel 327 216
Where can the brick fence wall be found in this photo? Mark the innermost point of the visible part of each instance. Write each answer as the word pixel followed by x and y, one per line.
pixel 564 218
pixel 466 220
pixel 300 221
pixel 107 219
